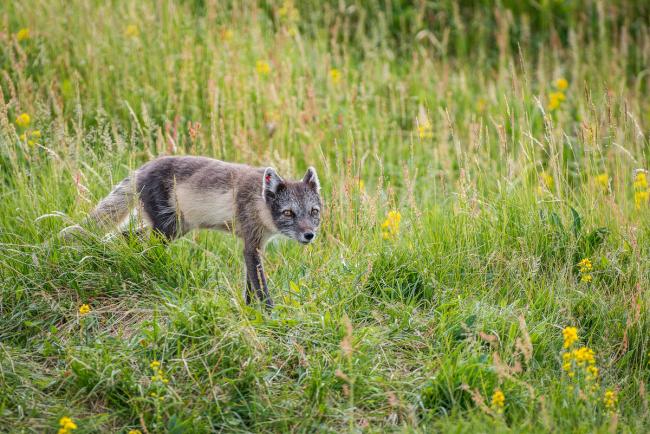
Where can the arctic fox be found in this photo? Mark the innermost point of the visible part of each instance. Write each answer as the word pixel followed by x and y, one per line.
pixel 174 195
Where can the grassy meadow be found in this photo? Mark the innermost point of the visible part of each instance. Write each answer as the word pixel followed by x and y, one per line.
pixel 484 259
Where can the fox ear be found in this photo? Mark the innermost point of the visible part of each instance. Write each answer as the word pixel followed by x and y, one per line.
pixel 311 179
pixel 271 182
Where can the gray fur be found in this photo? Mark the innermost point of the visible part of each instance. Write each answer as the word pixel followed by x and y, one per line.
pixel 178 194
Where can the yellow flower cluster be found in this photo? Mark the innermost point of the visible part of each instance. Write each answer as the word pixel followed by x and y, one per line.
pixel 570 335
pixel 481 105
pixel 135 431
pixel 289 17
pixel 545 181
pixel 22 34
pixel 23 120
pixel 584 267
pixel 640 180
pixel 159 374
pixel 641 191
pixel 555 99
pixel 335 76
pixel 84 309
pixel 583 358
pixel 498 401
pixel 30 138
pixel 592 373
pixel 603 181
pixel 67 425
pixel 131 31
pixel 226 34
pixel 610 399
pixel 425 130
pixel 582 361
pixel 390 226
pixel 263 68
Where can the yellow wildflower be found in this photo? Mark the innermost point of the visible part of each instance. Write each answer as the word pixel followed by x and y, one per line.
pixel 561 83
pixel 547 180
pixel 584 355
pixel 135 431
pixel 592 373
pixel 22 34
pixel 263 67
pixel 583 358
pixel 570 335
pixel 640 180
pixel 289 12
pixel 610 399
pixel 159 374
pixel 34 135
pixel 335 76
pixel 23 120
pixel 641 192
pixel 498 401
pixel 84 309
pixel 131 31
pixel 67 425
pixel 555 100
pixel 390 226
pixel 603 181
pixel 226 34
pixel 425 130
pixel 362 185
pixel 585 265
pixel 641 198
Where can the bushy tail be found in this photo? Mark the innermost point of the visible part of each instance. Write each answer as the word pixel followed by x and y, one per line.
pixel 115 207
pixel 109 212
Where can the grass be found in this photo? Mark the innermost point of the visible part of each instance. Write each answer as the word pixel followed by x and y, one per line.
pixel 440 111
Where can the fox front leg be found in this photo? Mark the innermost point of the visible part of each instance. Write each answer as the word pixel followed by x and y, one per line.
pixel 256 280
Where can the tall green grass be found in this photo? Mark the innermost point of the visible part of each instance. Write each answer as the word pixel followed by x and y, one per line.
pixel 438 110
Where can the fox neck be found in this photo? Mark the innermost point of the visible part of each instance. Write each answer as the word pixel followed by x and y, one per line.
pixel 266 219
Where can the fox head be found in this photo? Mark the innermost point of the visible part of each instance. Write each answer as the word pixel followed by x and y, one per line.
pixel 295 205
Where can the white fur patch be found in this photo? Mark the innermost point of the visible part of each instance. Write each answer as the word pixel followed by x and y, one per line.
pixel 266 218
pixel 204 208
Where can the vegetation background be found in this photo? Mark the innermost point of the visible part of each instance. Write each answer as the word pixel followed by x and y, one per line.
pixel 483 165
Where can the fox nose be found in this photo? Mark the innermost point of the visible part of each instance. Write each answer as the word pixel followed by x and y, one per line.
pixel 308 236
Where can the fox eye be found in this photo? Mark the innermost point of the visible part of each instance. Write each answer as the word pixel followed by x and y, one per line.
pixel 287 213
pixel 315 212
